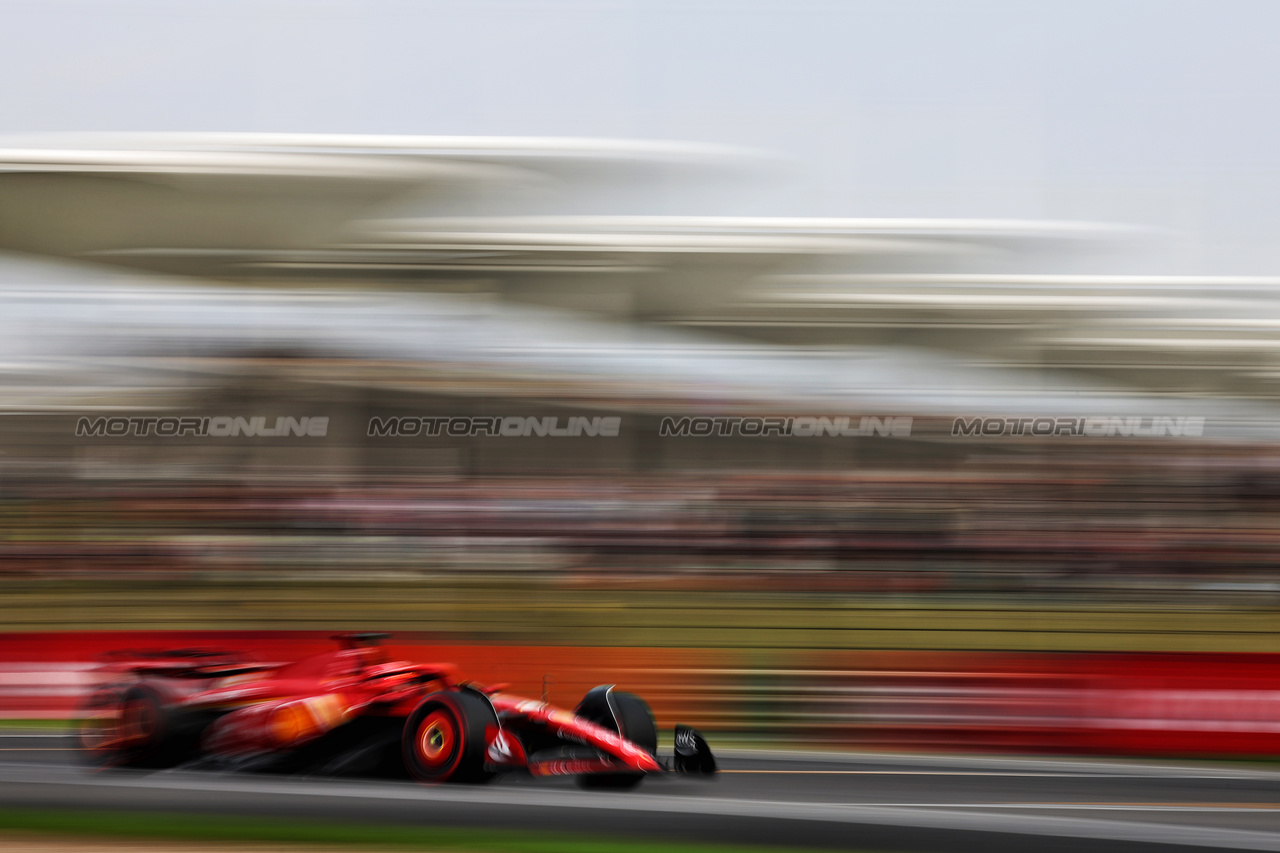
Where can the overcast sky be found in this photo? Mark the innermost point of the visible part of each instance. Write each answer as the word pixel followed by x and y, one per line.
pixel 1162 113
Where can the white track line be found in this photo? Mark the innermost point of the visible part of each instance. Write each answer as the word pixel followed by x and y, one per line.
pixel 944 816
pixel 1119 769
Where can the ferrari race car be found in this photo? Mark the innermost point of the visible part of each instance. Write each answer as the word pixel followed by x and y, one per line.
pixel 352 711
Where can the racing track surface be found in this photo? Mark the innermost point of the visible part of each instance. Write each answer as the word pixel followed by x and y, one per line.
pixel 877 802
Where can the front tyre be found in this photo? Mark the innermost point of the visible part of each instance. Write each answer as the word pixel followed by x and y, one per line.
pixel 444 738
pixel 631 718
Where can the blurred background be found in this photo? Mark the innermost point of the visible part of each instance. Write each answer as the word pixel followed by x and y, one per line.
pixel 875 374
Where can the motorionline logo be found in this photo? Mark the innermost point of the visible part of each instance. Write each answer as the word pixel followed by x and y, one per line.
pixel 1094 427
pixel 786 427
pixel 222 426
pixel 464 426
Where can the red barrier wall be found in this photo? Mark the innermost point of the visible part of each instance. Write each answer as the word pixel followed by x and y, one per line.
pixel 45 675
pixel 1103 703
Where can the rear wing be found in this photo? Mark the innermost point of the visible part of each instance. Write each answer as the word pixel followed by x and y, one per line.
pixel 182 663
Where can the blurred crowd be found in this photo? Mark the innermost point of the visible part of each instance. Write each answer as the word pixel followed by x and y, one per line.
pixel 1010 524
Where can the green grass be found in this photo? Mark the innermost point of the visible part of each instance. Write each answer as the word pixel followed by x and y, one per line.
pixel 187 827
pixel 559 612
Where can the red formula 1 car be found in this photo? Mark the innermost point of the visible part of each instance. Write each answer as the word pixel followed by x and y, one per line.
pixel 354 711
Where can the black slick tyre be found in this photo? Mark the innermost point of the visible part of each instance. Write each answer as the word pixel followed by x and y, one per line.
pixel 444 738
pixel 145 729
pixel 630 716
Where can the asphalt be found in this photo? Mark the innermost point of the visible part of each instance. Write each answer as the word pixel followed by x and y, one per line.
pixel 819 800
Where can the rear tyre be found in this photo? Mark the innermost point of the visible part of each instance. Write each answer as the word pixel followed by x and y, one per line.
pixel 630 716
pixel 145 730
pixel 444 738
pixel 98 728
pixel 139 725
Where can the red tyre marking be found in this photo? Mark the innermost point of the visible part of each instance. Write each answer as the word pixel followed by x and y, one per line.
pixel 436 739
pixel 137 721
